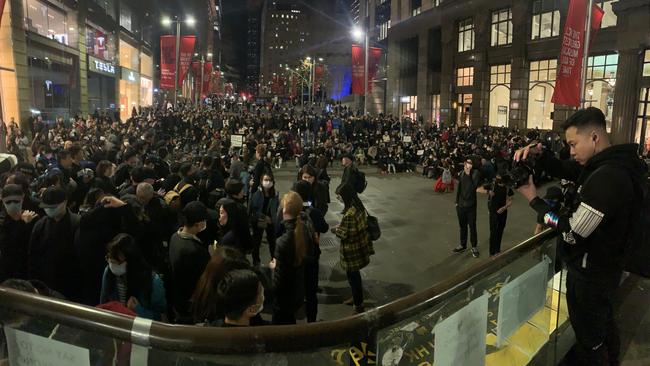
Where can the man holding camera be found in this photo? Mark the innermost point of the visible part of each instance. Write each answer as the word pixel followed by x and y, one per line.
pixel 595 228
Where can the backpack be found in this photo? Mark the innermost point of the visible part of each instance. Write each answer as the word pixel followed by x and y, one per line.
pixel 360 182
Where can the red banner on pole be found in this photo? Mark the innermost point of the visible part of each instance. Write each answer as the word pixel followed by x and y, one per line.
pixel 374 58
pixel 167 61
pixel 319 71
pixel 567 84
pixel 187 50
pixel 358 60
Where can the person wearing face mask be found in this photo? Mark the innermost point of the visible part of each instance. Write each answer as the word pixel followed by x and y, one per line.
pixel 319 195
pixel 241 296
pixel 129 279
pixel 262 211
pixel 188 256
pixel 15 229
pixel 53 257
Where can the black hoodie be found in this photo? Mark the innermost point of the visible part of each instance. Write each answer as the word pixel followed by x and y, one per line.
pixel 597 227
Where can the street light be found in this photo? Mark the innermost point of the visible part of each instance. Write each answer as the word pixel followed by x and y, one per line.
pixel 360 34
pixel 166 21
pixel 302 95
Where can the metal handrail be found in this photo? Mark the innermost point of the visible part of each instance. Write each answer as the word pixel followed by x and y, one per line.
pixel 283 338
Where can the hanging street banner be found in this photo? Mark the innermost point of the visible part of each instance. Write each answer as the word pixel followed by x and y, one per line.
pixel 357 69
pixel 569 76
pixel 167 61
pixel 186 52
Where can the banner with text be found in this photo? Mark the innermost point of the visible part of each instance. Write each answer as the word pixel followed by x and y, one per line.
pixel 358 60
pixel 167 61
pixel 186 52
pixel 567 84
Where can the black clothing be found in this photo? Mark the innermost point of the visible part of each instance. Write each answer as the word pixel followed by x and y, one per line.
pixel 466 192
pixel 52 255
pixel 188 258
pixel 14 244
pixel 349 177
pixel 188 194
pixel 500 197
pixel 467 218
pixel 105 184
pixel 260 169
pixel 497 226
pixel 288 278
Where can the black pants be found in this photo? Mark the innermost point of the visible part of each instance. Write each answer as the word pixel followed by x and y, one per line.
pixel 257 242
pixel 497 225
pixel 591 312
pixel 311 290
pixel 283 316
pixel 354 279
pixel 467 218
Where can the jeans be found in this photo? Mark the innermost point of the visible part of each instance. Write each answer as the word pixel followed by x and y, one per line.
pixel 467 217
pixel 354 279
pixel 311 290
pixel 497 226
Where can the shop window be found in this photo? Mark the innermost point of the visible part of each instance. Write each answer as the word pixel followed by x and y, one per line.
pixel 466 35
pixel 541 86
pixel 463 109
pixel 601 79
pixel 609 18
pixel 383 30
pixel 502 27
pixel 46 20
pixel 499 95
pixel 545 20
pixel 129 56
pixel 465 76
pixel 99 43
pixel 435 108
pixel 146 65
pixel 409 106
pixel 646 63
pixel 146 92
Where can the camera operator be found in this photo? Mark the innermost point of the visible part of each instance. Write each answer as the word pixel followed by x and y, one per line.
pixel 499 201
pixel 595 228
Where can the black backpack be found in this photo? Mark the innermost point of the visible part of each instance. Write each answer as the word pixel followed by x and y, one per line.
pixel 360 182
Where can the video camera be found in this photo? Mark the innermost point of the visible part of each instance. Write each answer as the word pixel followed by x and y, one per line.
pixel 521 170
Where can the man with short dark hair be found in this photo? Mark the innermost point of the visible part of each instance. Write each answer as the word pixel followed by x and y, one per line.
pixel 468 183
pixel 596 231
pixel 241 296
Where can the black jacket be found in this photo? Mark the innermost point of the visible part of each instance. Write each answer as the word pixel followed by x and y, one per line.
pixel 14 242
pixel 52 255
pixel 288 278
pixel 596 228
pixel 188 257
pixel 466 190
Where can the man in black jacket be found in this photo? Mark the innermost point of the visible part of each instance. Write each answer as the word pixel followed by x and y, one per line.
pixel 468 182
pixel 52 255
pixel 16 225
pixel 595 231
pixel 188 257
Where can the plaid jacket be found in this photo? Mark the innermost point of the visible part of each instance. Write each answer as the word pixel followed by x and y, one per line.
pixel 355 243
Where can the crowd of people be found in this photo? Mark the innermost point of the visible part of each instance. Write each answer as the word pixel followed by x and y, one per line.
pixel 165 214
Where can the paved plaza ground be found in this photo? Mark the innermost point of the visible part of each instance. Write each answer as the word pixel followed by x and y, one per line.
pixel 419 230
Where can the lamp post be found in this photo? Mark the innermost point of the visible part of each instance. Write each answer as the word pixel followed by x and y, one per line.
pixel 167 22
pixel 302 79
pixel 359 34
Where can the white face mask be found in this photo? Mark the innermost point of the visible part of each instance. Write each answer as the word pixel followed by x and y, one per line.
pixel 117 269
pixel 267 184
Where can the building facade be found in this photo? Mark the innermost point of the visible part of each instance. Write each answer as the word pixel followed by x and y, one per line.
pixel 495 62
pixel 67 58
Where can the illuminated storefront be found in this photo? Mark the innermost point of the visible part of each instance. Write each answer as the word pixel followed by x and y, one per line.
pixel 129 92
pixel 146 80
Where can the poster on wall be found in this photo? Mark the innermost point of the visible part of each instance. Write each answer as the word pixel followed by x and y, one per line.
pixel 460 339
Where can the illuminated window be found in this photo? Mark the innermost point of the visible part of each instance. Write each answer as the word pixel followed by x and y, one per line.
pixel 465 76
pixel 609 18
pixel 601 80
pixel 646 63
pixel 541 86
pixel 465 35
pixel 499 95
pixel 383 30
pixel 46 20
pixel 545 20
pixel 502 27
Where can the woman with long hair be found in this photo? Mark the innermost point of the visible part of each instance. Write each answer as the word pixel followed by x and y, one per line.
pixel 288 263
pixel 233 227
pixel 205 306
pixel 262 209
pixel 319 192
pixel 356 246
pixel 128 279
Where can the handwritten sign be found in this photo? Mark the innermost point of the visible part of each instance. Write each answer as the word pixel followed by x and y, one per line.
pixel 237 140
pixel 26 349
pixel 460 339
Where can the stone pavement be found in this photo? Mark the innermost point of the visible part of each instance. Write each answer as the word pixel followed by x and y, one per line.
pixel 419 230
